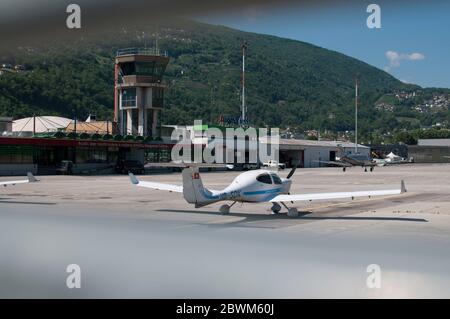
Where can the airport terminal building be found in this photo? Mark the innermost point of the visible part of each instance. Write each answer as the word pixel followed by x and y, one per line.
pixel 98 154
pixel 42 156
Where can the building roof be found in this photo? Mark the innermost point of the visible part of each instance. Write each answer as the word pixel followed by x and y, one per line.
pixel 40 124
pixel 296 142
pixel 434 142
pixel 101 127
pixel 38 141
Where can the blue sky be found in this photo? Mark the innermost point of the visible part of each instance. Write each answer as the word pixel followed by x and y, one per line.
pixel 417 35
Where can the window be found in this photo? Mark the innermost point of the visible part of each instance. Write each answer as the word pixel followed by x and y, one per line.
pixel 16 154
pixel 127 68
pixel 129 97
pixel 91 155
pixel 264 178
pixel 145 68
pixel 276 179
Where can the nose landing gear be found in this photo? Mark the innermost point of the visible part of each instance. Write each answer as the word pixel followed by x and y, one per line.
pixel 276 208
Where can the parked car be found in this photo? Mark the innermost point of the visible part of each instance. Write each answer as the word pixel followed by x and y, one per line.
pixel 250 166
pixel 274 164
pixel 65 168
pixel 129 166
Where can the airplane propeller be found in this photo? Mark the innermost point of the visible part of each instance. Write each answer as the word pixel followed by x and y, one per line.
pixel 291 172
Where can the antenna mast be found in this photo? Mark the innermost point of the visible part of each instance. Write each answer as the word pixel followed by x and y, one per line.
pixel 243 116
pixel 356 114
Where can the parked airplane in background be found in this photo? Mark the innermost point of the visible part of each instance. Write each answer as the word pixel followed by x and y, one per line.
pixel 31 179
pixel 391 159
pixel 351 160
pixel 251 187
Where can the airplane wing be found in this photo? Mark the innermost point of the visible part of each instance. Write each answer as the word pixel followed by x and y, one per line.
pixel 342 164
pixel 153 185
pixel 324 196
pixel 371 164
pixel 31 179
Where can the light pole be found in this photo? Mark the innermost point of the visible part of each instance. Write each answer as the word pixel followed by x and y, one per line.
pixel 243 47
pixel 356 114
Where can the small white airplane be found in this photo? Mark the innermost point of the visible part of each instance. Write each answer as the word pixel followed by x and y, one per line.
pixel 31 179
pixel 252 187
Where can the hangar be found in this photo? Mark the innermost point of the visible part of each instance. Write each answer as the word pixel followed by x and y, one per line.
pixel 430 151
pixel 309 153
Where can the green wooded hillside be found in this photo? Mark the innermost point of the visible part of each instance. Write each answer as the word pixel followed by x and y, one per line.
pixel 289 83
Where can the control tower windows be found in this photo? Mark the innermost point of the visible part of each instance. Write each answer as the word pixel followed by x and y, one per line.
pixel 153 69
pixel 129 97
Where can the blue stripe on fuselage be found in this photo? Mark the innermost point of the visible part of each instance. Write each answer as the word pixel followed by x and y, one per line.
pixel 263 192
pixel 223 196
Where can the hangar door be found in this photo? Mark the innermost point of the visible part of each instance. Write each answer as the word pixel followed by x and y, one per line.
pixel 291 157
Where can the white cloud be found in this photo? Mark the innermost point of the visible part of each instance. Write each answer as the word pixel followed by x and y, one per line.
pixel 416 56
pixel 396 58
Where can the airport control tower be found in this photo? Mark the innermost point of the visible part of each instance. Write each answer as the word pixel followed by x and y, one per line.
pixel 139 92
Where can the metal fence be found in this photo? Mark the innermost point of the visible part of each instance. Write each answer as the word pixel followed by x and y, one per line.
pixel 142 51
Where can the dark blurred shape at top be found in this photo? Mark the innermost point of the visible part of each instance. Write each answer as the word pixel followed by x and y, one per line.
pixel 43 22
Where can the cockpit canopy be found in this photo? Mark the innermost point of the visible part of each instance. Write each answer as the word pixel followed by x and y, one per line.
pixel 267 178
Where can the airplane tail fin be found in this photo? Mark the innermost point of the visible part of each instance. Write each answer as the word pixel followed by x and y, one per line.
pixel 193 190
pixel 31 178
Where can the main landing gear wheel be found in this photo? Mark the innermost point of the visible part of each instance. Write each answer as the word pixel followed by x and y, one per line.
pixel 276 208
pixel 371 169
pixel 224 209
pixel 343 169
pixel 293 212
pixel 365 169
